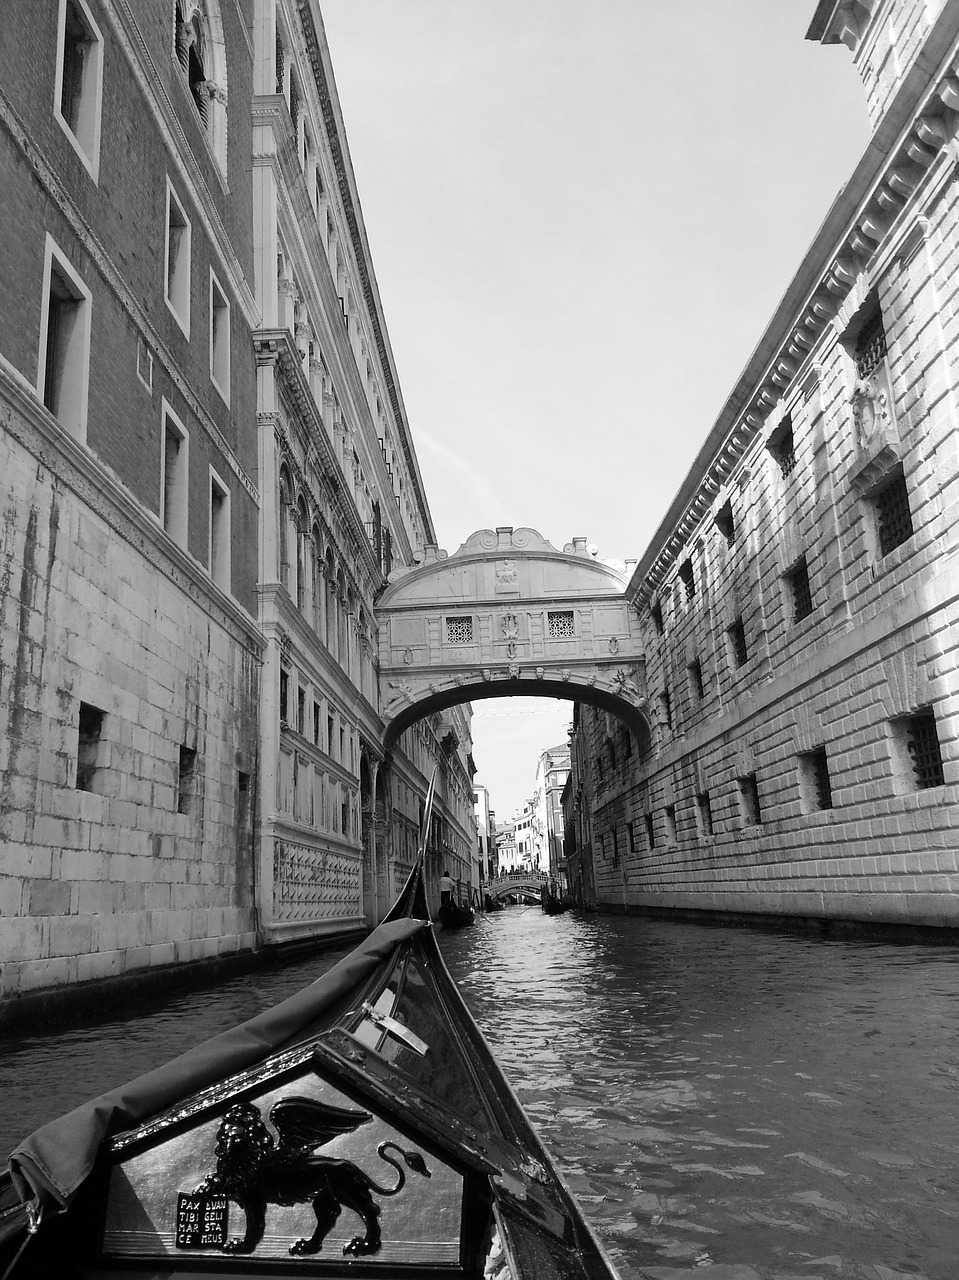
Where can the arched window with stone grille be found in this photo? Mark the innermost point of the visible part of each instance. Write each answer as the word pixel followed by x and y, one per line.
pixel 285 521
pixel 200 52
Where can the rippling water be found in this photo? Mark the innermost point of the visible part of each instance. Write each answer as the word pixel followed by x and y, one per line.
pixel 734 1104
pixel 728 1104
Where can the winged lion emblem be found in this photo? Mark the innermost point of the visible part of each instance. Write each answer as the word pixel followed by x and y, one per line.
pixel 253 1169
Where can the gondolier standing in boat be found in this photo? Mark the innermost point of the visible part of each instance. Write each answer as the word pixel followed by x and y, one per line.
pixel 446 889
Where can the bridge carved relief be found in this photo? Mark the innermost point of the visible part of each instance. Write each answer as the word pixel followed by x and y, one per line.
pixel 509 615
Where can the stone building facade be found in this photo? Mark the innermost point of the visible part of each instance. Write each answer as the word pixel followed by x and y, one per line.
pixel 799 599
pixel 205 473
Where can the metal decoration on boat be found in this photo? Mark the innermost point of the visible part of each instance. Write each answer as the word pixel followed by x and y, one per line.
pixel 253 1170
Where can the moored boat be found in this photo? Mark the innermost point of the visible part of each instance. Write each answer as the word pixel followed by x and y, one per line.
pixel 360 1128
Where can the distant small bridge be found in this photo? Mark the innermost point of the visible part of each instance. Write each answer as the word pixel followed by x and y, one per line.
pixel 528 882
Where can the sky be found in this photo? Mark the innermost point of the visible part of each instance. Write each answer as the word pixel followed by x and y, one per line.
pixel 582 214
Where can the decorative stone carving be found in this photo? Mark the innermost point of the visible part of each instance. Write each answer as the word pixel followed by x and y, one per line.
pixel 870 409
pixel 408 656
pixel 510 626
pixel 625 685
pixel 507 575
pixel 513 670
pixel 613 645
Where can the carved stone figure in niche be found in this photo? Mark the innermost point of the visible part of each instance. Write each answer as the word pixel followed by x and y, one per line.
pixel 870 409
pixel 254 1170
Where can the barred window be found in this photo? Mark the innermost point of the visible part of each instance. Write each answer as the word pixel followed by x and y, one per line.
pixel 749 797
pixel 782 447
pixel 656 613
pixel 893 517
pixel 688 577
pixel 89 740
pixel 800 594
pixel 459 630
pixel 737 642
pixel 666 708
pixel 560 624
pixel 705 808
pixel 922 743
pixel 870 349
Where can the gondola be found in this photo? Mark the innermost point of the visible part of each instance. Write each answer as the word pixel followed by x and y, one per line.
pixel 361 1128
pixel 453 916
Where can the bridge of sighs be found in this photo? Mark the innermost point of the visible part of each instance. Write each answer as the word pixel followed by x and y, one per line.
pixel 509 615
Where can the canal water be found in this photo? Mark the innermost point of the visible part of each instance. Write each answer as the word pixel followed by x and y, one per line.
pixel 728 1104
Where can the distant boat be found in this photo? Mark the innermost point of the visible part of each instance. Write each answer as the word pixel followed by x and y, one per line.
pixel 361 1129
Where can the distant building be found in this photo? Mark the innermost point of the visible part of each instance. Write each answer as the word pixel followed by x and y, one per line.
pixel 552 770
pixel 485 833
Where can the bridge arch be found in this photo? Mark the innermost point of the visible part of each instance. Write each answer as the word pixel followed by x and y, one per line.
pixel 508 615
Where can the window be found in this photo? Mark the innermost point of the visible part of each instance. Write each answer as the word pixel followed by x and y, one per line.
pixel 330 731
pixel 893 517
pixel 670 812
pixel 175 463
pixel 145 364
pixel 560 624
pixel 317 714
pixel 79 78
pixel 220 557
pixel 814 780
pixel 459 630
pixel 725 523
pixel 688 578
pixel 704 809
pixel 186 780
pixel 89 745
pixel 870 349
pixel 200 55
pixel 656 613
pixel 284 697
pixel 666 709
pixel 922 758
pixel 243 811
pixel 736 635
pixel 749 800
pixel 301 711
pixel 219 339
pixel 781 446
pixel 64 362
pixel 695 669
pixel 800 596
pixel 177 261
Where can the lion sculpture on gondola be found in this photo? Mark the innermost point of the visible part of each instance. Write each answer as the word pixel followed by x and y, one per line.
pixel 254 1170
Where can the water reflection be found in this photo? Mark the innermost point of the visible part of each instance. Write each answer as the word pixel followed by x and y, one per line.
pixel 760 1105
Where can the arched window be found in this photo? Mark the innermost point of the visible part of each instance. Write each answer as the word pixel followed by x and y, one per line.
pixel 201 54
pixel 343 652
pixel 330 602
pixel 302 527
pixel 285 525
pixel 317 564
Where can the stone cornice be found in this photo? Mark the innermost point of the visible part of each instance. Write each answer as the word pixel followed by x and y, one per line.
pixel 315 37
pixel 913 150
pixel 24 418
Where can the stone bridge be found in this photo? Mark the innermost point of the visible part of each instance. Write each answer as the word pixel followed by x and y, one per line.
pixel 509 615
pixel 530 882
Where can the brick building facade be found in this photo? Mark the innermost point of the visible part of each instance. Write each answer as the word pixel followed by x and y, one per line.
pixel 205 468
pixel 799 599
